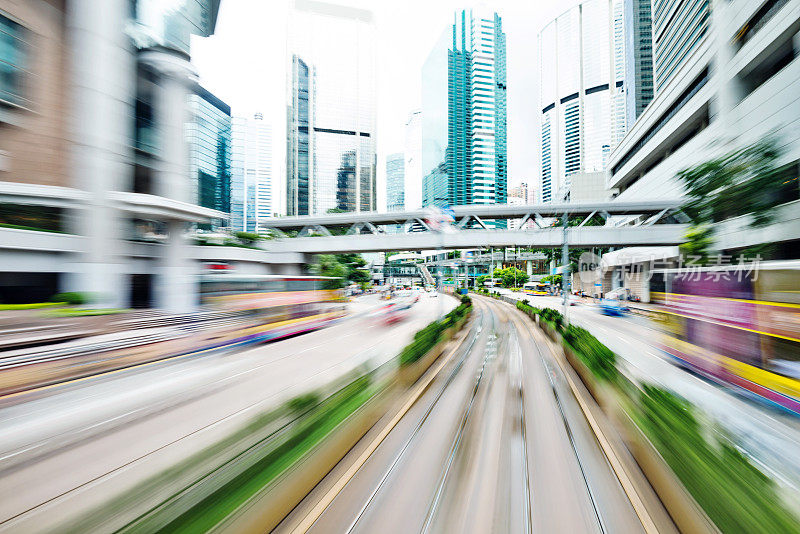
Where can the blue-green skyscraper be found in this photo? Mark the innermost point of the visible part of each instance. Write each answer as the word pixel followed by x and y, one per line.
pixel 464 157
pixel 209 136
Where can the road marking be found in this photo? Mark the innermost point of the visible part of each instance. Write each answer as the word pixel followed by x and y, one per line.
pixel 616 465
pixel 311 518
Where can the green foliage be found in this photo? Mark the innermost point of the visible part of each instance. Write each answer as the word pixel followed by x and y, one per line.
pixel 73 298
pixel 737 496
pixel 327 265
pixel 553 279
pixel 746 181
pixel 428 337
pixel 247 238
pixel 553 317
pixel 466 300
pixel 697 247
pixel 597 357
pixel 29 306
pixel 481 279
pixel 303 403
pixel 511 276
pixel 527 309
pixel 272 458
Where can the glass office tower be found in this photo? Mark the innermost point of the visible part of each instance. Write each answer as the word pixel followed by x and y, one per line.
pixel 251 173
pixel 582 91
pixel 395 182
pixel 464 158
pixel 332 105
pixel 678 29
pixel 638 57
pixel 209 135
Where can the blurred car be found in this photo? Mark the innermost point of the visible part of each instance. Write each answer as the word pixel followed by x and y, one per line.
pixel 433 293
pixel 394 313
pixel 612 307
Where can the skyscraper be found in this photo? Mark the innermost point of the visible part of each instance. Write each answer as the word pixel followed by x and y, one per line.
pixel 638 57
pixel 582 76
pixel 395 182
pixel 299 128
pixel 678 29
pixel 413 161
pixel 209 133
pixel 251 173
pixel 464 113
pixel 331 109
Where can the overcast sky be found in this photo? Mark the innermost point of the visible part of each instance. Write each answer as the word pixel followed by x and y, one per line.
pixel 244 63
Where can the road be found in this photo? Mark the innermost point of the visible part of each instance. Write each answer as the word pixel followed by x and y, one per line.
pixel 73 446
pixel 496 443
pixel 770 437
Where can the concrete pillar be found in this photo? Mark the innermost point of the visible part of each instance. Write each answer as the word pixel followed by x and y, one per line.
pixel 176 285
pixel 529 267
pixel 102 81
pixel 728 87
pixel 176 288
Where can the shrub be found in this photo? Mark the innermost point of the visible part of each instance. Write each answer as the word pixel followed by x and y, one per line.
pixel 465 300
pixel 428 337
pixel 527 308
pixel 597 357
pixel 304 402
pixel 74 298
pixel 552 316
pixel 734 493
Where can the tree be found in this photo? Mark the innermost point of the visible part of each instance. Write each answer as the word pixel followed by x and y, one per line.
pixel 511 276
pixel 327 265
pixel 743 182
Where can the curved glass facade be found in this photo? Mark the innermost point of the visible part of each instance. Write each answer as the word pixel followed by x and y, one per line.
pixel 582 84
pixel 332 104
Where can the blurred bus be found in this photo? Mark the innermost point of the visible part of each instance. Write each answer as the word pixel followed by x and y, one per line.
pixel 535 288
pixel 739 326
pixel 281 305
pixel 236 311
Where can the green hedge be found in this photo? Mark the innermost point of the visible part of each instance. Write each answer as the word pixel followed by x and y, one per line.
pixel 71 297
pixel 428 337
pixel 553 317
pixel 30 306
pixel 527 309
pixel 597 357
pixel 734 493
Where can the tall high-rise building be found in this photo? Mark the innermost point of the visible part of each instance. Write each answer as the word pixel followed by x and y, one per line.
pixel 331 126
pixel 638 57
pixel 464 156
pixel 678 30
pixel 299 128
pixel 582 77
pixel 209 133
pixel 395 182
pixel 413 161
pixel 251 173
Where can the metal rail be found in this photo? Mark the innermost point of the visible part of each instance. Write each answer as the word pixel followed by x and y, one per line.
pixel 478 328
pixel 460 433
pixel 571 438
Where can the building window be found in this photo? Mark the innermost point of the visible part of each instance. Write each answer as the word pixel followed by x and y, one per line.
pixel 13 60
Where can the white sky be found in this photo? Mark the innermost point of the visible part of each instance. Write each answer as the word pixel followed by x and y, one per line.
pixel 244 63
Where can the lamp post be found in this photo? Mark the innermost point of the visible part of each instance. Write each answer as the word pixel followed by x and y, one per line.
pixel 564 267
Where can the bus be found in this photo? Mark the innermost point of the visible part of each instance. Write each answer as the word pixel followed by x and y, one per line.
pixel 281 305
pixel 737 326
pixel 236 311
pixel 535 288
